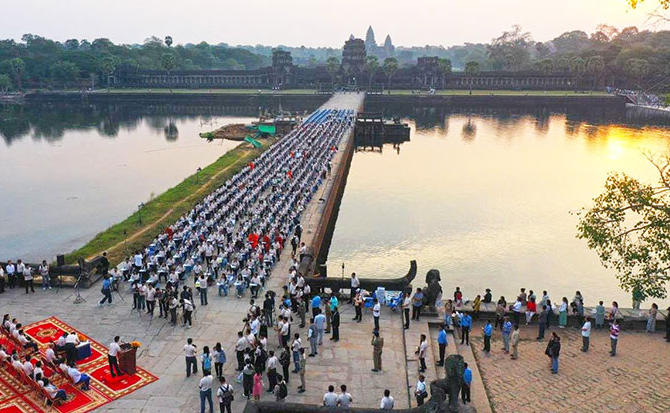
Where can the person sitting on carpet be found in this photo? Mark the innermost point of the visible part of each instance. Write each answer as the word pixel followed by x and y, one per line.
pixel 79 377
pixel 26 342
pixel 54 392
pixel 38 373
pixel 51 355
pixel 3 354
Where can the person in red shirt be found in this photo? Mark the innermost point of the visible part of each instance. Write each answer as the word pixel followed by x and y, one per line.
pixel 531 309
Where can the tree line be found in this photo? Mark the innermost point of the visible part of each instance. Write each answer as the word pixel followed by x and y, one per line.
pixel 38 62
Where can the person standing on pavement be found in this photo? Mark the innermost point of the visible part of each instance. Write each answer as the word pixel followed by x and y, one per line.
pixel 515 342
pixel 335 324
pixel 554 351
pixel 358 307
pixel 316 304
pixel 542 322
pixel 240 346
pixel 467 380
pixel 488 330
pixel 421 351
pixel 329 315
pixel 406 304
pixel 506 332
pixel 312 334
pixel 106 290
pixel 303 366
pixel 376 312
pixel 285 361
pixel 355 285
pixel 667 324
pixel 272 371
pixel 614 336
pixel 296 345
pixel 377 347
pixel 225 395
pixel 417 304
pixel 442 343
pixel 320 321
pixel 191 361
pixel 44 272
pixel 586 334
pixel 466 326
pixel 205 386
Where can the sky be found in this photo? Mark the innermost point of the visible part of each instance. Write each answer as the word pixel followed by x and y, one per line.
pixel 312 23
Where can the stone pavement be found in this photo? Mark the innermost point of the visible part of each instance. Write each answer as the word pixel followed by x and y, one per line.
pixel 637 380
pixel 347 362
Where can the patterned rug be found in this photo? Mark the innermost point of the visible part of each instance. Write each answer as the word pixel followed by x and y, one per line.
pixel 18 398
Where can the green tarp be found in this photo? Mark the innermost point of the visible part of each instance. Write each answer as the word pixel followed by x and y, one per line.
pixel 253 141
pixel 269 129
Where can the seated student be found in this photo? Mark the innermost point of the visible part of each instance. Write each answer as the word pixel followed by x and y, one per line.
pixel 28 367
pixel 51 355
pixel 16 363
pixel 38 373
pixel 63 367
pixel 54 392
pixel 26 342
pixel 14 330
pixel 3 354
pixel 79 377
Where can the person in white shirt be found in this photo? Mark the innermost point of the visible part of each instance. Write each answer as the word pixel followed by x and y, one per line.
pixel 46 278
pixel 240 346
pixel 11 274
pixel 51 355
pixel 191 360
pixel 355 284
pixel 3 354
pixel 406 306
pixel 387 401
pixel 586 334
pixel 420 390
pixel 423 346
pixel 376 312
pixel 330 398
pixel 344 399
pixel 205 386
pixel 112 355
pixel 38 373
pixel 151 298
pixel 28 278
pixel 79 377
pixel 28 367
pixel 53 391
pixel 225 395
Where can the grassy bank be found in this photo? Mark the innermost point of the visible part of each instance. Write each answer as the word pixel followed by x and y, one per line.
pixel 459 92
pixel 127 236
pixel 210 91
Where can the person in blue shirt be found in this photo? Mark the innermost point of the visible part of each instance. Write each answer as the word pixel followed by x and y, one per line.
pixel 467 380
pixel 506 331
pixel 442 343
pixel 316 304
pixel 333 302
pixel 106 290
pixel 466 326
pixel 488 330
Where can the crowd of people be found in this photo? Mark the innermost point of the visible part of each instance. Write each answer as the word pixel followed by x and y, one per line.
pixel 640 97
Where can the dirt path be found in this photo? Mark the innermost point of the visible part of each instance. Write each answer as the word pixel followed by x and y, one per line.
pixel 167 213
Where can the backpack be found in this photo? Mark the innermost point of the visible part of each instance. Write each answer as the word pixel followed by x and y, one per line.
pixel 284 359
pixel 226 394
pixel 283 391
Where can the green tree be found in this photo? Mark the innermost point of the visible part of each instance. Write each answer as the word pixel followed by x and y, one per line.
pixel 472 68
pixel 595 65
pixel 72 44
pixel 637 69
pixel 628 226
pixel 445 70
pixel 64 72
pixel 578 68
pixel 332 66
pixel 168 63
pixel 371 66
pixel 389 67
pixel 17 67
pixel 5 83
pixel 168 41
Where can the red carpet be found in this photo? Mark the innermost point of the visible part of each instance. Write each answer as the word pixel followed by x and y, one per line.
pixel 17 398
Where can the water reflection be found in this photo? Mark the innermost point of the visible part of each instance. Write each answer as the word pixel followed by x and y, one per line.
pixel 487 200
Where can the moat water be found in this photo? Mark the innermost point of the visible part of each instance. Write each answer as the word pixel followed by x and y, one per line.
pixel 70 171
pixel 488 199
